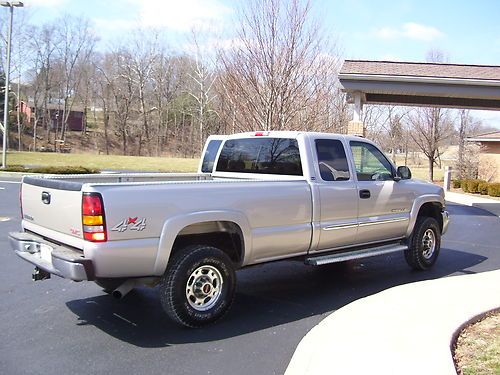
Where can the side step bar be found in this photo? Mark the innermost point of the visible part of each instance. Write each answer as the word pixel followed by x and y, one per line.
pixel 355 254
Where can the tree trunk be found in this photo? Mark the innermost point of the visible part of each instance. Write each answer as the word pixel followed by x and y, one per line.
pixel 431 169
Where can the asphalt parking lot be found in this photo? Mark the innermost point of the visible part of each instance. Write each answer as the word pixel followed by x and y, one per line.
pixel 60 327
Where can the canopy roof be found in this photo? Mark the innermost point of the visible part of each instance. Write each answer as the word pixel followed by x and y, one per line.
pixel 423 84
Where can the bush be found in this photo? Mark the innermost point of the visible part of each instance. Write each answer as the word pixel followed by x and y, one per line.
pixel 473 186
pixel 51 170
pixel 465 185
pixel 483 188
pixel 457 184
pixel 494 190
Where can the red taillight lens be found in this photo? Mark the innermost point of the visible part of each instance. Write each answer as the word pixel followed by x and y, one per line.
pixel 92 205
pixel 94 224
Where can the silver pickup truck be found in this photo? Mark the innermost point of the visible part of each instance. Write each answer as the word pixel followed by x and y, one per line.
pixel 258 197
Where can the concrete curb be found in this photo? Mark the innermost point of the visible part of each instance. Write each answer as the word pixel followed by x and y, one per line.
pixel 408 329
pixel 490 205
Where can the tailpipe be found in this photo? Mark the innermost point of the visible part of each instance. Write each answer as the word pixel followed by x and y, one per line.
pixel 123 289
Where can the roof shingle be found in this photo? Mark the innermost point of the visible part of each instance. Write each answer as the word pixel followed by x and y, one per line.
pixel 415 69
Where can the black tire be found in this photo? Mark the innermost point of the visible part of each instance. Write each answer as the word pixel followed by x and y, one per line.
pixel 108 285
pixel 192 276
pixel 420 255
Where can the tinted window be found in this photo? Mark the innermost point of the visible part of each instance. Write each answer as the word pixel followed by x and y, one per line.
pixel 371 164
pixel 332 160
pixel 261 155
pixel 209 157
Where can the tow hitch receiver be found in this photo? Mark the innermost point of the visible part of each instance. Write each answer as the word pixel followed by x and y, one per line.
pixel 39 274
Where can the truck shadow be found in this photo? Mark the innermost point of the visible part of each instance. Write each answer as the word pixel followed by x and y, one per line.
pixel 268 296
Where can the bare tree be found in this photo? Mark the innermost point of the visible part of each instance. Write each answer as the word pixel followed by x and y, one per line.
pixel 275 71
pixel 75 48
pixel 202 79
pixel 430 128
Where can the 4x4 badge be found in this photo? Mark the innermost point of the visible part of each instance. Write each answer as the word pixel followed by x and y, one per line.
pixel 132 223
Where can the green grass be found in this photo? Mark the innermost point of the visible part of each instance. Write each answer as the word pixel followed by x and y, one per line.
pixel 102 162
pixel 137 163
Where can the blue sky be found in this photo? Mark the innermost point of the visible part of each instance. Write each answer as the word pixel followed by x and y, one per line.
pixel 466 31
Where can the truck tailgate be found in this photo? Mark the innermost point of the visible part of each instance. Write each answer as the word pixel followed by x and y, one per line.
pixel 52 204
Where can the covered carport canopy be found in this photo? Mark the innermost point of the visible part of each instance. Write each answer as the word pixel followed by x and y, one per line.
pixel 421 84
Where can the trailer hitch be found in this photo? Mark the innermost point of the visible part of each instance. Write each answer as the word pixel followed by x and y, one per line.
pixel 39 274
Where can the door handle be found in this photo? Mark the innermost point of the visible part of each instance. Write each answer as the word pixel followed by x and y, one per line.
pixel 364 194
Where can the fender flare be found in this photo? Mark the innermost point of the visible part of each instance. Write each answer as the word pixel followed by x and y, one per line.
pixel 174 225
pixel 417 204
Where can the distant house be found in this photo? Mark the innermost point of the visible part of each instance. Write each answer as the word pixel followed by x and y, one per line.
pixel 489 158
pixel 76 119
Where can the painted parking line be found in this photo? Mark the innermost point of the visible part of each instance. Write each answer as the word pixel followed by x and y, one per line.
pixel 4 218
pixel 1 188
pixel 10 182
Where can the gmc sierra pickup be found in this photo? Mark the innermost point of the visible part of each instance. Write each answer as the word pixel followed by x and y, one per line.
pixel 322 198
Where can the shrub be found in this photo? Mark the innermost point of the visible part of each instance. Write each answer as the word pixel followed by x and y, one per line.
pixel 494 190
pixel 483 188
pixel 51 170
pixel 465 185
pixel 457 184
pixel 473 186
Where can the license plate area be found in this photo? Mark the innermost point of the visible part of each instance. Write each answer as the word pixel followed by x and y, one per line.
pixel 46 252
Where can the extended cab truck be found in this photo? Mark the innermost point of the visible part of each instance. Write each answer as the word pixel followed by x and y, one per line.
pixel 322 198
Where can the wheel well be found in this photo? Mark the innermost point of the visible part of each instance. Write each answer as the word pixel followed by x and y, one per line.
pixel 224 235
pixel 432 209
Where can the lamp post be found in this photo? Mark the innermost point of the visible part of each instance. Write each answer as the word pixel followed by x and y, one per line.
pixel 10 5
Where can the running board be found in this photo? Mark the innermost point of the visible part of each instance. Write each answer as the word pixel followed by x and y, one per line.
pixel 356 254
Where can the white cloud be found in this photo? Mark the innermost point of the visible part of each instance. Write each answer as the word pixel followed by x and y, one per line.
pixel 181 15
pixel 111 25
pixel 44 3
pixel 410 30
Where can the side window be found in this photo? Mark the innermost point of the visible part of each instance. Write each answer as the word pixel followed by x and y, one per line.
pixel 371 164
pixel 210 154
pixel 332 160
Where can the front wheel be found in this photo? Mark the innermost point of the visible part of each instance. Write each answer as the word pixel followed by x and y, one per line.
pixel 424 244
pixel 198 286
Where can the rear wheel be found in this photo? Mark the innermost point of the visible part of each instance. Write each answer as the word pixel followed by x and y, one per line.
pixel 198 286
pixel 424 244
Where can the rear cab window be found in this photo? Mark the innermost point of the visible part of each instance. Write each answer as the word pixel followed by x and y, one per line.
pixel 207 164
pixel 276 156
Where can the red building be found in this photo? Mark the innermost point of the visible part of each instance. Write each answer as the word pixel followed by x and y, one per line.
pixel 76 118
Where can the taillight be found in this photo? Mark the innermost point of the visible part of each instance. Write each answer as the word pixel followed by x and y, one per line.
pixel 94 224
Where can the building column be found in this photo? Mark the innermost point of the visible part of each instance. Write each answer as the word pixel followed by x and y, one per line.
pixel 355 126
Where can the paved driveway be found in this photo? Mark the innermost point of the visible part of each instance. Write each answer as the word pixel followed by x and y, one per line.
pixel 62 327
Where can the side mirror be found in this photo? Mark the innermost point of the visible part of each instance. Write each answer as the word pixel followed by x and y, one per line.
pixel 404 172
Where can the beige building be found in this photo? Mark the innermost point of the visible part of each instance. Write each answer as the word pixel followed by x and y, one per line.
pixel 489 158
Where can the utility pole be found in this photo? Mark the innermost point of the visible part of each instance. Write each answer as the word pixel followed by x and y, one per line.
pixel 10 5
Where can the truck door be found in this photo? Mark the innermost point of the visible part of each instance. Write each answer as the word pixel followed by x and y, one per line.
pixel 384 204
pixel 338 196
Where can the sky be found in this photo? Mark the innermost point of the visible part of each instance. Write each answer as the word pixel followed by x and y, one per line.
pixel 466 31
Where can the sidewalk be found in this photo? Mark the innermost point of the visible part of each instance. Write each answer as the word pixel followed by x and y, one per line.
pixel 407 329
pixel 479 201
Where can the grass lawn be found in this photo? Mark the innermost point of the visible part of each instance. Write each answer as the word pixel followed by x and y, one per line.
pixel 102 162
pixel 137 163
pixel 478 348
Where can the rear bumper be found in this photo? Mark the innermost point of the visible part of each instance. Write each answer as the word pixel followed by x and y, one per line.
pixel 446 221
pixel 53 258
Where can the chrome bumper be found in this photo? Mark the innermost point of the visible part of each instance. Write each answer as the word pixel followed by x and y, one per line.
pixel 55 259
pixel 446 221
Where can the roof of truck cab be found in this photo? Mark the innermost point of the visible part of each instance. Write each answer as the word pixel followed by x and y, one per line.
pixel 295 134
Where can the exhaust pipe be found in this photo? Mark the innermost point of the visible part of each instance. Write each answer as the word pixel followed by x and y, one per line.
pixel 123 289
